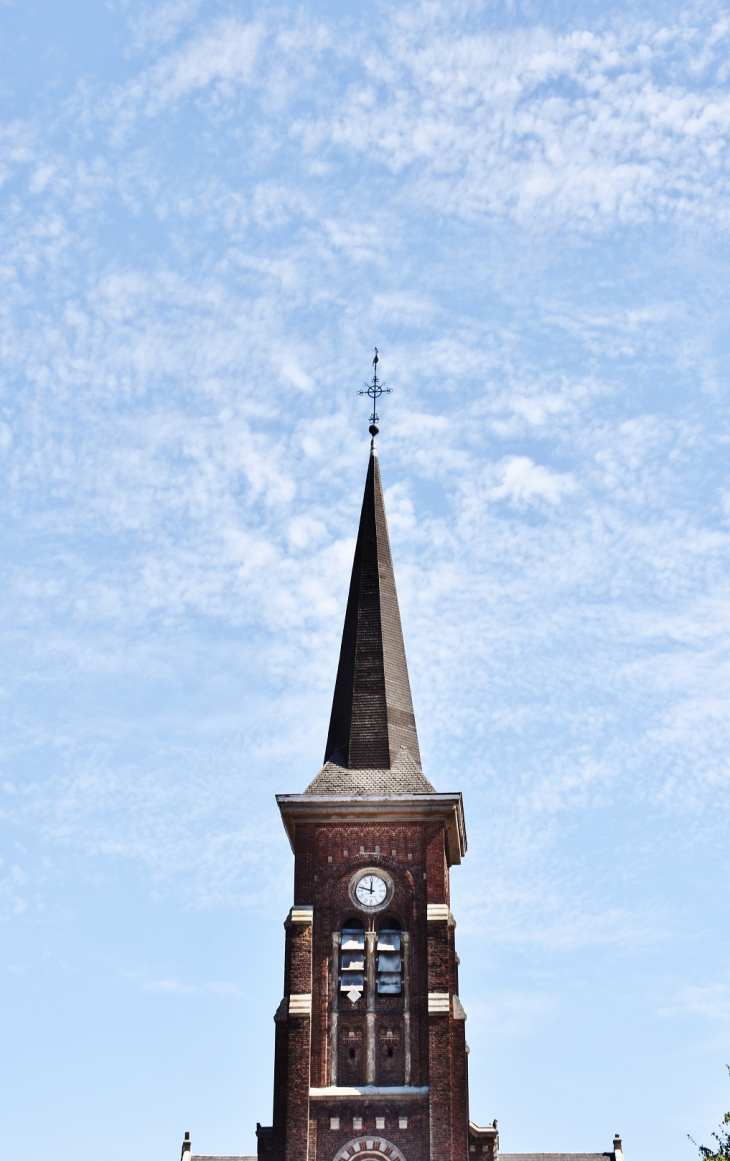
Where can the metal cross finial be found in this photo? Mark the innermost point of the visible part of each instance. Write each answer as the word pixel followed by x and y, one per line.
pixel 375 390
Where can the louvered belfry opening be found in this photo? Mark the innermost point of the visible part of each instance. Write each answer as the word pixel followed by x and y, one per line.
pixel 372 718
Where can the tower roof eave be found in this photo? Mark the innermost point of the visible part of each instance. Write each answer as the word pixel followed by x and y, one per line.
pixel 387 807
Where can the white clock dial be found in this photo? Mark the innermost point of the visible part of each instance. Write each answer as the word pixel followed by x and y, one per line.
pixel 371 891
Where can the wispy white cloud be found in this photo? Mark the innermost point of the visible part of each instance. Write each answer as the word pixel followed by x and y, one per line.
pixel 710 1000
pixel 179 416
pixel 582 129
pixel 216 62
pixel 198 256
pixel 175 987
pixel 522 481
pixel 13 881
pixel 590 128
pixel 157 26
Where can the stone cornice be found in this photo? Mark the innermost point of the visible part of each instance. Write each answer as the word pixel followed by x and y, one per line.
pixel 331 808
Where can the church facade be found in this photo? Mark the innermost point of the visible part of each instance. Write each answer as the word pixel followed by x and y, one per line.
pixel 371 1059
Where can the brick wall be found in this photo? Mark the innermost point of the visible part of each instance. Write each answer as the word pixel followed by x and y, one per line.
pixel 412 1140
pixel 326 858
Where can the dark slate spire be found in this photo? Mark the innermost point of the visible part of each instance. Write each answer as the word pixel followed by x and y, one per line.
pixel 372 746
pixel 372 712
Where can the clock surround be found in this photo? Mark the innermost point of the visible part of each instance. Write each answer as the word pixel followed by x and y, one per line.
pixel 377 873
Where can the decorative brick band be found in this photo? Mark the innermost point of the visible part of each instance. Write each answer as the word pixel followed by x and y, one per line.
pixel 300 1005
pixel 301 914
pixel 438 1002
pixel 437 912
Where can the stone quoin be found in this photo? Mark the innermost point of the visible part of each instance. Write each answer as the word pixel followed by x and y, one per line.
pixel 370 1048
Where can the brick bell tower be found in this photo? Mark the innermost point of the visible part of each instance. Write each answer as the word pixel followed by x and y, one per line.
pixel 371 1057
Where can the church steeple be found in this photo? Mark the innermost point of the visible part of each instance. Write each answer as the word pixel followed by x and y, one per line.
pixel 372 712
pixel 372 726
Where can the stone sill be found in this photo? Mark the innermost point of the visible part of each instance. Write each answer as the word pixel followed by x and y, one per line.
pixel 364 1092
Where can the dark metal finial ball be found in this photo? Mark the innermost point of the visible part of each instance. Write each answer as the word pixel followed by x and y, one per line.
pixel 373 429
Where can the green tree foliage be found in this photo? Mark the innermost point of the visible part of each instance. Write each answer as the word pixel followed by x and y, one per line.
pixel 722 1150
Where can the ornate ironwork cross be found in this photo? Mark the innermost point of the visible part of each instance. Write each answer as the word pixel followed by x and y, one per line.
pixel 375 390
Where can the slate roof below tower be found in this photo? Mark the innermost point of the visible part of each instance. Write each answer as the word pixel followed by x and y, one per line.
pixel 404 777
pixel 557 1156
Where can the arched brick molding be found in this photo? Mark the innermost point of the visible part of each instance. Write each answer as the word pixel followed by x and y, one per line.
pixel 367 1148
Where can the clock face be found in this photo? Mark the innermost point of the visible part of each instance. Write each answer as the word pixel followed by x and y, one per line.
pixel 371 891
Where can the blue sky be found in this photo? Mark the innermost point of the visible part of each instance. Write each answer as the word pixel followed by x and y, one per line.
pixel 211 213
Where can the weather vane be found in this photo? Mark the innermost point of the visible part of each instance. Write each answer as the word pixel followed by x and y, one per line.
pixel 375 390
